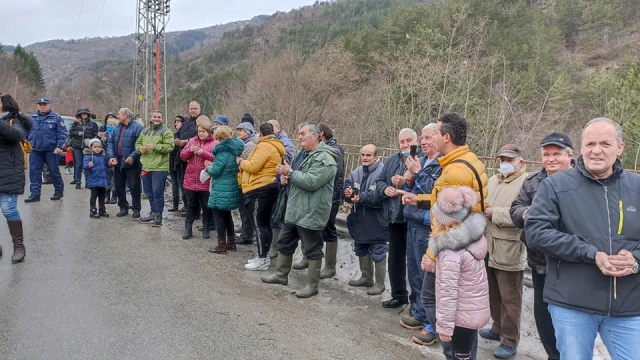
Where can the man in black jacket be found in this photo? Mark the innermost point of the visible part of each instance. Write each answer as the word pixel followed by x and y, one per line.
pixel 557 153
pixel 188 130
pixel 387 185
pixel 586 222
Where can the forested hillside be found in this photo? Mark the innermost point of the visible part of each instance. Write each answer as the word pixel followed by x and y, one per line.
pixel 514 68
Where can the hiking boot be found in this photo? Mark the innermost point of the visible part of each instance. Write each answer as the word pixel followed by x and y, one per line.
pixel 122 212
pixel 366 268
pixel 188 231
pixel 32 198
pixel 489 334
pixel 157 221
pixel 15 229
pixel 281 275
pixel 135 214
pixel 231 242
pixel 424 338
pixel 149 218
pixel 380 275
pixel 410 323
pixel 56 196
pixel 313 279
pixel 94 214
pixel 221 248
pixel 103 212
pixel 261 264
pixel 330 255
pixel 505 352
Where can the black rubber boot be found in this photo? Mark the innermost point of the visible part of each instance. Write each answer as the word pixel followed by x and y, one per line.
pixel 188 231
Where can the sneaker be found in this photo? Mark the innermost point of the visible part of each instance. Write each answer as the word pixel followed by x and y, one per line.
pixel 149 218
pixel 424 338
pixel 410 323
pixel 253 259
pixel 505 352
pixel 262 264
pixel 489 334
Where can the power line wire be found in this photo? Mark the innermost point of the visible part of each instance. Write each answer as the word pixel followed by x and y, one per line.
pixel 99 15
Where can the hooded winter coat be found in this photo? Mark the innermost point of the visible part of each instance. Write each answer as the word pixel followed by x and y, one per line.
pixel 162 139
pixel 506 251
pixel 311 188
pixel 98 174
pixel 260 168
pixel 12 178
pixel 89 129
pixel 224 175
pixel 366 222
pixel 195 163
pixel 462 290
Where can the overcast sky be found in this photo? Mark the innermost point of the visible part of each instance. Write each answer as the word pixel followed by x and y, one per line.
pixel 29 21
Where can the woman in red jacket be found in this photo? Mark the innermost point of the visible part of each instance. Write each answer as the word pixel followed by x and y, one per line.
pixel 198 153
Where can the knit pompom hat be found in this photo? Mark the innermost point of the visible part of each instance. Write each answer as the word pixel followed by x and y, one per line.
pixel 453 204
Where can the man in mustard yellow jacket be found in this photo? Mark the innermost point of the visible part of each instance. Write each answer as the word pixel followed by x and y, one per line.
pixel 460 167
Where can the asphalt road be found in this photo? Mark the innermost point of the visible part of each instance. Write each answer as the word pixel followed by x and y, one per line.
pixel 117 289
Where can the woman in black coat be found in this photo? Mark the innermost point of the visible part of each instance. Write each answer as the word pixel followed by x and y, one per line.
pixel 14 128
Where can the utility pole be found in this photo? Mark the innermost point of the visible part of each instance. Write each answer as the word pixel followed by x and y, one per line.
pixel 150 68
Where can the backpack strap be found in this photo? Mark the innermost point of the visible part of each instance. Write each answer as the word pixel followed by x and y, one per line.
pixel 475 173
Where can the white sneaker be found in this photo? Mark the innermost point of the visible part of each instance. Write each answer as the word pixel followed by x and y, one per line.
pixel 253 259
pixel 259 265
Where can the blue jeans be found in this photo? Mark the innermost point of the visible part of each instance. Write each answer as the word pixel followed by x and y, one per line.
pixel 417 243
pixel 576 333
pixel 9 206
pixel 153 185
pixel 37 159
pixel 78 157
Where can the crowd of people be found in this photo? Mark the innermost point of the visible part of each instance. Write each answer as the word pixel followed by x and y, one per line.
pixel 429 216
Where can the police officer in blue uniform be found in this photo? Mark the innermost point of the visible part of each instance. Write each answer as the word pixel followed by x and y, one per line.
pixel 47 137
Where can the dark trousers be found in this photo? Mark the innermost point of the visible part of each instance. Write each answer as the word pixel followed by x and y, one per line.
pixel 330 233
pixel 97 193
pixel 77 166
pixel 37 159
pixel 247 228
pixel 397 264
pixel 130 177
pixel 505 298
pixel 259 208
pixel 224 223
pixel 429 304
pixel 176 184
pixel 197 201
pixel 153 183
pixel 462 343
pixel 417 243
pixel 543 318
pixel 311 239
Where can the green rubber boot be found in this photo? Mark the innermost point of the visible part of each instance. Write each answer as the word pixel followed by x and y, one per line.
pixel 381 274
pixel 366 267
pixel 281 275
pixel 313 279
pixel 330 255
pixel 304 263
pixel 273 250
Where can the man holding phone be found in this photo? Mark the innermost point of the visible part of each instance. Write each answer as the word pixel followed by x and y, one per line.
pixel 388 186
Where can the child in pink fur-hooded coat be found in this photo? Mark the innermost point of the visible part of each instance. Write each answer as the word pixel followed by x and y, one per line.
pixel 462 291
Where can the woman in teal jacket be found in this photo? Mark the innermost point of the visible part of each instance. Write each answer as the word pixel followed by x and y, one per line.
pixel 224 187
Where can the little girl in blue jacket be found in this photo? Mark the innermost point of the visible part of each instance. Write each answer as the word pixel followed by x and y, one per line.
pixel 95 166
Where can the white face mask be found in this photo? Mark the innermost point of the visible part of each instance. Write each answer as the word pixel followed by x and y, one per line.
pixel 506 169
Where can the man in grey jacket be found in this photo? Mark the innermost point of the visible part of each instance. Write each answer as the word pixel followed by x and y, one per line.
pixel 556 156
pixel 586 221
